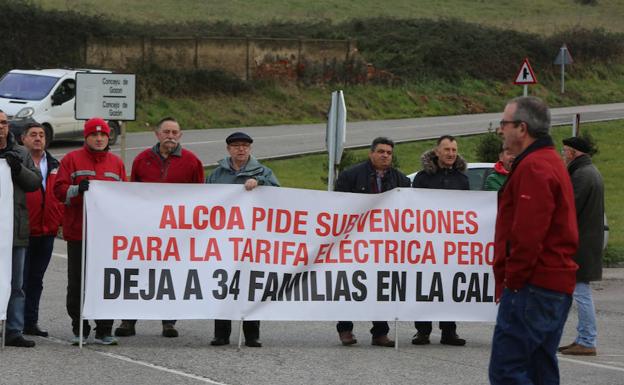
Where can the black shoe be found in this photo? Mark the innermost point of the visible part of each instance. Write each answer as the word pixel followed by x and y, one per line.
pixel 169 331
pixel 421 339
pixel 254 343
pixel 125 329
pixel 452 339
pixel 220 341
pixel 20 342
pixel 35 330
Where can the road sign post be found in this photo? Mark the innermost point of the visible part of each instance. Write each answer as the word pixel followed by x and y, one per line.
pixel 336 135
pixel 525 76
pixel 563 58
pixel 108 96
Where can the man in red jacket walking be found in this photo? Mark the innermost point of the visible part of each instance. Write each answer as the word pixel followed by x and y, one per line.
pixel 535 241
pixel 165 162
pixel 92 162
pixel 44 216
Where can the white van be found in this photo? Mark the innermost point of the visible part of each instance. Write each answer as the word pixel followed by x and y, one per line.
pixel 47 97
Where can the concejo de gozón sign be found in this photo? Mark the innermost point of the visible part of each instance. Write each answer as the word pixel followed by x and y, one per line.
pixel 106 95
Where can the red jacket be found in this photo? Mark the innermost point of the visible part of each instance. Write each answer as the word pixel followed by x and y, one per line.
pixel 181 166
pixel 44 210
pixel 76 166
pixel 536 233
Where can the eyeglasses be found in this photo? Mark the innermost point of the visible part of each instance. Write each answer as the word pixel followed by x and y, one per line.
pixel 4 122
pixel 502 123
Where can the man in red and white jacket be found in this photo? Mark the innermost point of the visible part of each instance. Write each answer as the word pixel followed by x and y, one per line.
pixel 165 162
pixel 92 162
pixel 44 217
pixel 535 242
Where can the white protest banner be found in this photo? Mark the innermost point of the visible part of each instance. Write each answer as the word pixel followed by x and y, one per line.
pixel 6 240
pixel 181 251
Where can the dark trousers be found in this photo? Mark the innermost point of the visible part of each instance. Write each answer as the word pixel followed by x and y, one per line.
pixel 74 269
pixel 528 330
pixel 223 329
pixel 380 328
pixel 425 327
pixel 164 322
pixel 38 256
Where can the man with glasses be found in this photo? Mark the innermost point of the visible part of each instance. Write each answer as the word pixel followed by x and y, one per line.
pixel 240 167
pixel 26 178
pixel 165 162
pixel 535 240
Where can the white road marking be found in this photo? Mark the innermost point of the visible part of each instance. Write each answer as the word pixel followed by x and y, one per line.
pixel 143 363
pixel 64 256
pixel 594 364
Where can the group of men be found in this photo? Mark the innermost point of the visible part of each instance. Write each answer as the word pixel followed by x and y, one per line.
pixel 48 193
pixel 549 222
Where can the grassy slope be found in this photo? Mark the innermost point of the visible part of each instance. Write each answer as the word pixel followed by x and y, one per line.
pixel 307 171
pixel 540 16
pixel 285 104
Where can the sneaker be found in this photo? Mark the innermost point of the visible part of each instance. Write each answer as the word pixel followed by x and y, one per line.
pixel 19 341
pixel 105 340
pixel 217 341
pixel 125 329
pixel 421 339
pixel 75 341
pixel 169 330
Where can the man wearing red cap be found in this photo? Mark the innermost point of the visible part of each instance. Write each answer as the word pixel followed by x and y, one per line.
pixel 92 162
pixel 165 162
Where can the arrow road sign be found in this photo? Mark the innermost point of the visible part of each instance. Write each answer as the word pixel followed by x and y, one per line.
pixel 526 74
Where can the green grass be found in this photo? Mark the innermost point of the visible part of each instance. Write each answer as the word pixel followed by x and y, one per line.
pixel 271 104
pixel 307 171
pixel 540 16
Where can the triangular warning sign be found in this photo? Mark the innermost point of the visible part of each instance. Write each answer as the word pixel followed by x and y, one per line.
pixel 525 75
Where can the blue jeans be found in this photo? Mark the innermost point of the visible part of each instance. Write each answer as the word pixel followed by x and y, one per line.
pixel 586 327
pixel 38 257
pixel 527 333
pixel 15 310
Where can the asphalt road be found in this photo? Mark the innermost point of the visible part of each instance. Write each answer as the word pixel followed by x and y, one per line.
pixel 285 140
pixel 293 352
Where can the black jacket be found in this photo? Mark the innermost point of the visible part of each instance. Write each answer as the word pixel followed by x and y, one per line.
pixel 361 178
pixel 28 179
pixel 589 201
pixel 432 176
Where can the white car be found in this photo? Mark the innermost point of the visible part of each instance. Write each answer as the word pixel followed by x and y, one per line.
pixel 47 97
pixel 477 174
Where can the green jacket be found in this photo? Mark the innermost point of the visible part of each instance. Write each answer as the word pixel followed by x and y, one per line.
pixel 28 179
pixel 497 179
pixel 224 174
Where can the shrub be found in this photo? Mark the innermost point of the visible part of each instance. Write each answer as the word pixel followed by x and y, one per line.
pixel 489 147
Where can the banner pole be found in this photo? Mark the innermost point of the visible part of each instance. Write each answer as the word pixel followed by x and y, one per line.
pixel 82 267
pixel 240 333
pixel 396 333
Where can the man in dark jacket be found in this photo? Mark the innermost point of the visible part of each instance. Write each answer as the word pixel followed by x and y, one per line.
pixel 26 178
pixel 535 241
pixel 44 214
pixel 589 202
pixel 373 176
pixel 443 168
